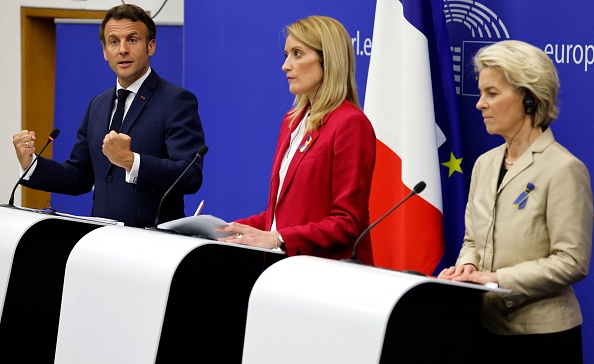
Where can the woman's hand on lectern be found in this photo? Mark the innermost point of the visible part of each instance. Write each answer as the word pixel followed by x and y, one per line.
pixel 247 235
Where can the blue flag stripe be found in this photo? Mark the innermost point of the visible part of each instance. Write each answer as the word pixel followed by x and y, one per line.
pixel 428 17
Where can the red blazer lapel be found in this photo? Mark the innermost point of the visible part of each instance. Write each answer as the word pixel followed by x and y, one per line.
pixel 304 146
pixel 283 144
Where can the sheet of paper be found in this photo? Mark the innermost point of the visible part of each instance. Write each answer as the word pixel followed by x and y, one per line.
pixel 203 226
pixel 49 211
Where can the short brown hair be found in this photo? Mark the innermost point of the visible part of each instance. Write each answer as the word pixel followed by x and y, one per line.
pixel 131 12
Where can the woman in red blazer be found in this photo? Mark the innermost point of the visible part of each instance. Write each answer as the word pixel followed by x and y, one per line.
pixel 324 159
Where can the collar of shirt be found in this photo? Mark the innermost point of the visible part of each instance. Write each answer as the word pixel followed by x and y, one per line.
pixel 133 89
pixel 136 85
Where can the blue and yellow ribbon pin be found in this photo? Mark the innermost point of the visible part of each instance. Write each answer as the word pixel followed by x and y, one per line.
pixel 520 202
pixel 303 147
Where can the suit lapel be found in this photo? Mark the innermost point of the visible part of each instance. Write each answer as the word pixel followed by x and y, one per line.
pixel 283 144
pixel 527 158
pixel 298 157
pixel 520 165
pixel 140 100
pixel 105 110
pixel 103 115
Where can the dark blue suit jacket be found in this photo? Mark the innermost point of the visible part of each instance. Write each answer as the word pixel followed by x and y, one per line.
pixel 166 132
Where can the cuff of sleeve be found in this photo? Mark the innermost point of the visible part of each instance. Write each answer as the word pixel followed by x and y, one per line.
pixel 282 241
pixel 132 175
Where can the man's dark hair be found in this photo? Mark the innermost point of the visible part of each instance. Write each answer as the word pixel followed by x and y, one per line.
pixel 131 12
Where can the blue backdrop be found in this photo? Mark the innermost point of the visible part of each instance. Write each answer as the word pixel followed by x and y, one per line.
pixel 231 59
pixel 233 54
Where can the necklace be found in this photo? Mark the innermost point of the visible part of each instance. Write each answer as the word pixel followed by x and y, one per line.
pixel 507 154
pixel 505 159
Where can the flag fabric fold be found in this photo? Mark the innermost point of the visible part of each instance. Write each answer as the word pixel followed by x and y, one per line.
pixel 412 104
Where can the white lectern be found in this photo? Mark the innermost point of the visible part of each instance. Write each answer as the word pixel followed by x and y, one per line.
pixel 34 248
pixel 312 310
pixel 142 296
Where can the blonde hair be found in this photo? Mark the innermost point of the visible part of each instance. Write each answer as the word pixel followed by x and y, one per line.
pixel 332 43
pixel 527 68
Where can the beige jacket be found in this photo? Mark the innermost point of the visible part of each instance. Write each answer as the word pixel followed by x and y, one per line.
pixel 538 251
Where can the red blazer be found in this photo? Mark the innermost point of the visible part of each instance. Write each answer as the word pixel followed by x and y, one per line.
pixel 324 202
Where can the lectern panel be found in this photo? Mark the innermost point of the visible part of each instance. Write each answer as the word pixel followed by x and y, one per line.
pixel 425 320
pixel 143 296
pixel 318 311
pixel 31 311
pixel 207 305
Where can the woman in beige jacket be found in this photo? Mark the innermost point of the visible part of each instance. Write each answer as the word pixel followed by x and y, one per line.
pixel 528 218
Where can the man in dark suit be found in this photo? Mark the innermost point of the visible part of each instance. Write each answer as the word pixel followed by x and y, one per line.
pixel 130 167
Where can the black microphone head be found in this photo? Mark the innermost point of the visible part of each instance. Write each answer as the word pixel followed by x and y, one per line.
pixel 420 187
pixel 54 134
pixel 202 151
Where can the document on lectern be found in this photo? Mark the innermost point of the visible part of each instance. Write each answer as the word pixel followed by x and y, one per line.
pixel 202 226
pixel 102 220
pixel 50 211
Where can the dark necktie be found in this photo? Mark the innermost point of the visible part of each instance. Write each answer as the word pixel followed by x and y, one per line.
pixel 118 116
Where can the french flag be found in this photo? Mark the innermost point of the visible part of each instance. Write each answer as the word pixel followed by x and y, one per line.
pixel 411 102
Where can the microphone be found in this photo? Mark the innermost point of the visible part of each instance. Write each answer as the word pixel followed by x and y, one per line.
pixel 417 189
pixel 53 135
pixel 200 153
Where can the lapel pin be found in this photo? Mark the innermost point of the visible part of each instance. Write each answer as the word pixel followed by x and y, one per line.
pixel 521 200
pixel 303 147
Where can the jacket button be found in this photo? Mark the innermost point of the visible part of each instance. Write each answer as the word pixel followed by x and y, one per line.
pixel 108 178
pixel 509 304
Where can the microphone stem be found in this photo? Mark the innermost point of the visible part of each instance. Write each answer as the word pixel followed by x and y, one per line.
pixel 419 187
pixel 200 153
pixel 11 200
pixel 354 255
pixel 169 190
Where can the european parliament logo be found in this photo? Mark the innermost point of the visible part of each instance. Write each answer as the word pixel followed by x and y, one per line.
pixel 473 26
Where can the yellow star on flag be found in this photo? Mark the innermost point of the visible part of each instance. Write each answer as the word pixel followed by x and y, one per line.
pixel 453 164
